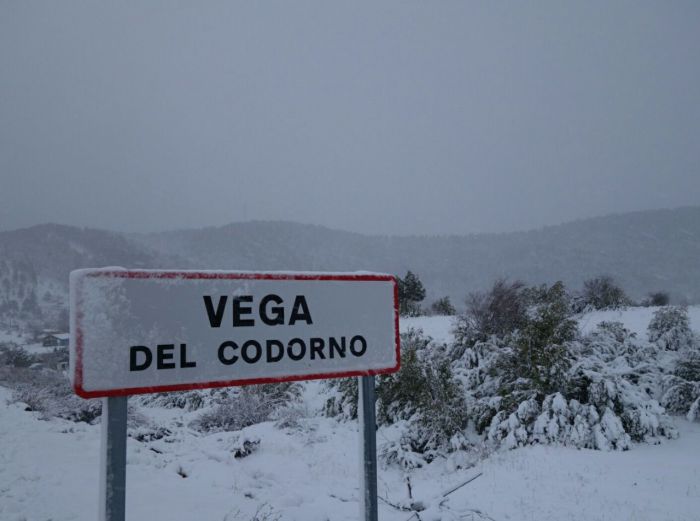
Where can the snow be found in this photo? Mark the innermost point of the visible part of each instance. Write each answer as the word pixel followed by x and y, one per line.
pixel 32 348
pixel 636 319
pixel 37 348
pixel 439 327
pixel 10 337
pixel 643 484
pixel 50 469
pixel 184 273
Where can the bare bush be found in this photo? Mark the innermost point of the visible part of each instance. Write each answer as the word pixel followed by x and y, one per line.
pixel 50 394
pixel 443 306
pixel 499 311
pixel 657 299
pixel 187 400
pixel 603 293
pixel 251 405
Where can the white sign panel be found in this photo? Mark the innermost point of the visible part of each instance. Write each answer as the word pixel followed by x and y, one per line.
pixel 146 331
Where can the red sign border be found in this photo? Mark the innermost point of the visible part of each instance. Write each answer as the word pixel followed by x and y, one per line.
pixel 77 334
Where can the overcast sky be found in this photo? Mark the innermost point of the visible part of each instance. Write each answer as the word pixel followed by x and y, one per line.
pixel 377 117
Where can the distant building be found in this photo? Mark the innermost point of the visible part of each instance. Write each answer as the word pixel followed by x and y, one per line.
pixel 56 340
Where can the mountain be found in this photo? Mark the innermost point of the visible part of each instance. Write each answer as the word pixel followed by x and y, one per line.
pixel 35 262
pixel 644 251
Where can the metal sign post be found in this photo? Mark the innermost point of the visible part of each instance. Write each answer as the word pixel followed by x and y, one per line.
pixel 113 465
pixel 368 449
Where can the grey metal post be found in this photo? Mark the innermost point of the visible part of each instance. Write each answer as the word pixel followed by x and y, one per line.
pixel 113 460
pixel 368 449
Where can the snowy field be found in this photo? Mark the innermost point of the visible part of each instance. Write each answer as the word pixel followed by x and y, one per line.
pixel 634 319
pixel 49 470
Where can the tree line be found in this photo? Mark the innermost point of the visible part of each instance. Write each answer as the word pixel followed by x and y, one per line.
pixel 597 293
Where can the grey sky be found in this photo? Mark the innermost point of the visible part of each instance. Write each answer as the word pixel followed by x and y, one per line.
pixel 379 117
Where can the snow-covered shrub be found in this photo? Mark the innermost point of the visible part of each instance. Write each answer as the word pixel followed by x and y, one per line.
pixel 342 403
pixel 398 450
pixel 615 371
pixel 559 420
pixel 426 396
pixel 694 411
pixel 143 429
pixel 290 416
pixel 244 445
pixel 539 355
pixel 682 388
pixel 503 371
pixel 250 405
pixel 50 394
pixel 475 367
pixel 680 395
pixel 670 328
pixel 596 425
pixel 688 365
pixel 14 356
pixel 148 433
pixel 187 400
pixel 542 383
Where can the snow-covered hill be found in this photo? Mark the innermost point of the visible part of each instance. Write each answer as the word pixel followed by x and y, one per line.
pixel 643 251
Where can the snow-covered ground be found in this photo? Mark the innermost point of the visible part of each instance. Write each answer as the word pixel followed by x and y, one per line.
pixel 16 338
pixel 636 319
pixel 6 336
pixel 49 470
pixel 439 328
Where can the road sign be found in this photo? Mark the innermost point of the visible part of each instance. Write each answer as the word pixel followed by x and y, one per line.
pixel 144 331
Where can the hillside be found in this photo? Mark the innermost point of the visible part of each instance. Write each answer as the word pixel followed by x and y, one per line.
pixel 307 469
pixel 644 251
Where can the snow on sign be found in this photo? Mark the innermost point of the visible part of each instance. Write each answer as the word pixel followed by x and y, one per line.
pixel 144 331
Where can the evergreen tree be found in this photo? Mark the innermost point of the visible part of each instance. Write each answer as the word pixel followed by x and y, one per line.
pixel 411 294
pixel 539 359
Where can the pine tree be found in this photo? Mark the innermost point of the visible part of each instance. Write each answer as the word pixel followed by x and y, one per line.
pixel 411 294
